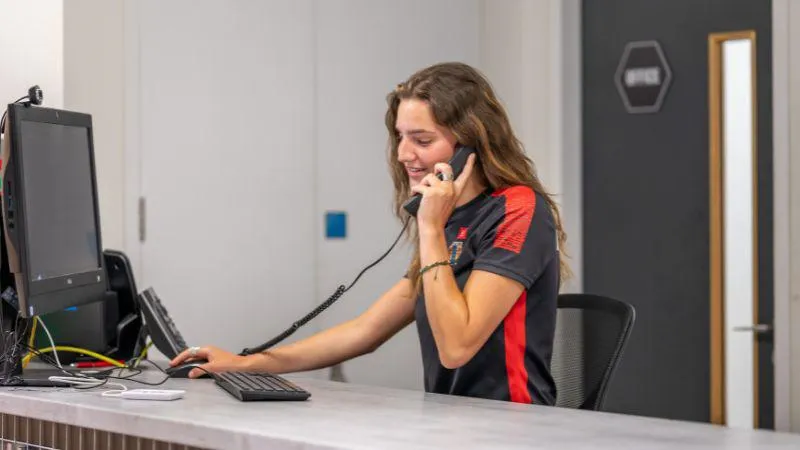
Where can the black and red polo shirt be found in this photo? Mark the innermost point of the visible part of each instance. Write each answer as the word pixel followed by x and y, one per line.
pixel 510 232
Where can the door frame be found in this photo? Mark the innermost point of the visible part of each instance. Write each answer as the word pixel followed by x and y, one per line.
pixel 717 225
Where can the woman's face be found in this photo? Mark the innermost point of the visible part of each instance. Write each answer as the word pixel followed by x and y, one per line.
pixel 422 142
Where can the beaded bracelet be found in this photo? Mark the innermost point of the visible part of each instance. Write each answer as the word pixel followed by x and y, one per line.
pixel 431 266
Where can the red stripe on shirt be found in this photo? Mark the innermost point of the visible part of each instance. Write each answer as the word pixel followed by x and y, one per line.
pixel 514 329
pixel 520 205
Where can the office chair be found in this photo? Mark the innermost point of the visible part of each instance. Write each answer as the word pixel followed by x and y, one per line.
pixel 591 332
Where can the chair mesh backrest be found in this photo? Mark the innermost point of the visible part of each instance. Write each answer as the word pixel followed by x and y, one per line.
pixel 591 332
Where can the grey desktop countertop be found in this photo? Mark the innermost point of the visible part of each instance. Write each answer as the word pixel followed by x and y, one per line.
pixel 343 415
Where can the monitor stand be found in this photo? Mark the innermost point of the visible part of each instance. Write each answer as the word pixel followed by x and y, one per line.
pixel 35 378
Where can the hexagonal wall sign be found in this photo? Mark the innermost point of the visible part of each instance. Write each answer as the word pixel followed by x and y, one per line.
pixel 643 77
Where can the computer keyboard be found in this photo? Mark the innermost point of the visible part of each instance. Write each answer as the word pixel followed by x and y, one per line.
pixel 247 386
pixel 162 330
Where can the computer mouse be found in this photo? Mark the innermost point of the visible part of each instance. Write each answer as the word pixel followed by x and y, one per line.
pixel 182 370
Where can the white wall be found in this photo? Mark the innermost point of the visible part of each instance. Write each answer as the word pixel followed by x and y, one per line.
pixel 566 103
pixel 31 50
pixel 781 19
pixel 94 84
pixel 227 134
pixel 794 209
pixel 786 116
pixel 517 52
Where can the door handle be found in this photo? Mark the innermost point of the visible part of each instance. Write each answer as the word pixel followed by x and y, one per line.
pixel 757 328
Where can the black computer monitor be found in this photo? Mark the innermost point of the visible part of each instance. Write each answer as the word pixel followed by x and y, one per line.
pixel 50 211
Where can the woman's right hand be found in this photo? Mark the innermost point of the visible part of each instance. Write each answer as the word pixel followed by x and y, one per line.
pixel 218 360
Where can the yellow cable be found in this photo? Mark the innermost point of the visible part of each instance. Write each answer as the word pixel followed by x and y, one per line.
pixel 30 343
pixel 146 347
pixel 142 355
pixel 33 331
pixel 83 351
pixel 27 358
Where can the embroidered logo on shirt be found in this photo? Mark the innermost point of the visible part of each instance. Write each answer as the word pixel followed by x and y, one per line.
pixel 458 245
pixel 455 251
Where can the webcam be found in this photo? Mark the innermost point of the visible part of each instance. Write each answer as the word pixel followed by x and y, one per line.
pixel 35 95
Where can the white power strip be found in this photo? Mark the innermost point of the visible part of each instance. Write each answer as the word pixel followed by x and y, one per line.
pixel 152 394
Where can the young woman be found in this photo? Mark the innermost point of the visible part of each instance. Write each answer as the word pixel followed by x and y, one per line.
pixel 483 282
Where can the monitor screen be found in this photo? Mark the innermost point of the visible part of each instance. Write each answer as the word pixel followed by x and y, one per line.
pixel 59 201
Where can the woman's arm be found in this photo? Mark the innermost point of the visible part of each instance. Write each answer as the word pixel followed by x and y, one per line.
pixel 392 312
pixel 462 322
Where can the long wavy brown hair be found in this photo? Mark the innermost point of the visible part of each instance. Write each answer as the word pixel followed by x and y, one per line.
pixel 462 100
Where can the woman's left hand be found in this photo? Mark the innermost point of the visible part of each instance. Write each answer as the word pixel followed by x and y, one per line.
pixel 439 197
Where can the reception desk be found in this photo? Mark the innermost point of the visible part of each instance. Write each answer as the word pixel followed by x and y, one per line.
pixel 339 415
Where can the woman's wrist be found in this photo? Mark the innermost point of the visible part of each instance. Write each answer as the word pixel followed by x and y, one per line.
pixel 433 245
pixel 258 362
pixel 430 231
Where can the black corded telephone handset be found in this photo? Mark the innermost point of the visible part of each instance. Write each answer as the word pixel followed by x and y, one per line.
pixel 457 162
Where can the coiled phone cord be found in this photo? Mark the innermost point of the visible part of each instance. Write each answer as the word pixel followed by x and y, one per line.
pixel 322 307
